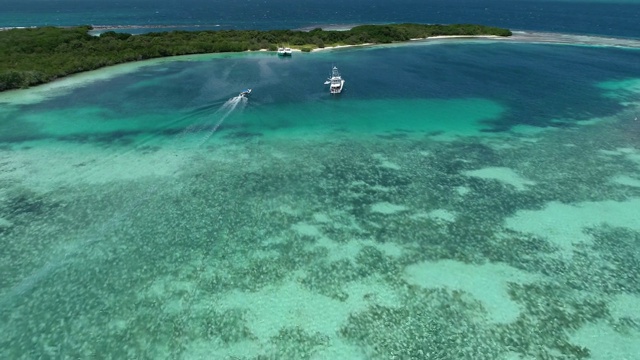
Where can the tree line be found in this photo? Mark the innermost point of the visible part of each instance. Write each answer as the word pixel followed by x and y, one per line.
pixel 34 56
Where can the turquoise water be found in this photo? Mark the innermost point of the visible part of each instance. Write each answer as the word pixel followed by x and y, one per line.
pixel 459 200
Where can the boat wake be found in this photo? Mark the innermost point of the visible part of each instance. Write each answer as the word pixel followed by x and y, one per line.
pixel 225 110
pixel 68 253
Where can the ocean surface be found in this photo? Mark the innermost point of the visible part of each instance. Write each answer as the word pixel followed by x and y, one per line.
pixel 461 199
pixel 584 17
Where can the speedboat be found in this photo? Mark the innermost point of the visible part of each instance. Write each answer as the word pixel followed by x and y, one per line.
pixel 335 82
pixel 245 92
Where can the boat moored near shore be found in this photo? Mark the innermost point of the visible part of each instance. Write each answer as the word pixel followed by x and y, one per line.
pixel 284 51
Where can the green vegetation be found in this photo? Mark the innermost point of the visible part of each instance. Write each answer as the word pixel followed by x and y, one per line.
pixel 38 55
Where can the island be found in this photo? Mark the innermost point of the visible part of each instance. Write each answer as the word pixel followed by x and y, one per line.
pixel 32 56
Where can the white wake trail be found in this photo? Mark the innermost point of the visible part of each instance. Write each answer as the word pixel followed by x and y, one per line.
pixel 226 110
pixel 65 254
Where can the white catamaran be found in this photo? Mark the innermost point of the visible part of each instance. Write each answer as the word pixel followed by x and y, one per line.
pixel 284 51
pixel 335 82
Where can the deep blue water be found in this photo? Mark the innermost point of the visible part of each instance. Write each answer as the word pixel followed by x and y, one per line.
pixel 602 18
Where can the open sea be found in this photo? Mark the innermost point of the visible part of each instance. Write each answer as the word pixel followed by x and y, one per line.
pixel 461 199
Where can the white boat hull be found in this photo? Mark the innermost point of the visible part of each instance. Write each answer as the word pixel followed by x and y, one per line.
pixel 336 88
pixel 335 82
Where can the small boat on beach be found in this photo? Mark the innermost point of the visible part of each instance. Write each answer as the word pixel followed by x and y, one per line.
pixel 245 92
pixel 335 82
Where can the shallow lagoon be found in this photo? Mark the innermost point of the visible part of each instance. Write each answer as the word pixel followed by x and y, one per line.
pixel 460 200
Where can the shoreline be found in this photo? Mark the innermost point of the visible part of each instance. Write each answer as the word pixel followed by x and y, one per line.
pixel 37 92
pixel 517 37
pixel 439 37
pixel 40 55
pixel 521 37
